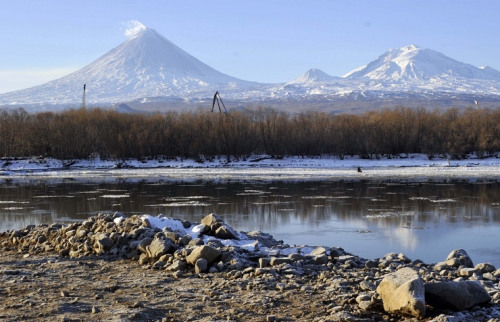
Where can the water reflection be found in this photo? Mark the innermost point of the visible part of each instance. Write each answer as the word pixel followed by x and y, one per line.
pixel 426 220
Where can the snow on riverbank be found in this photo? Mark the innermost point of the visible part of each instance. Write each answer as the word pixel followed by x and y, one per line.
pixel 412 167
pixel 411 160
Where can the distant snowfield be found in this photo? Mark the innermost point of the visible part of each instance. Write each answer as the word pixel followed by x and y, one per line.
pixel 414 167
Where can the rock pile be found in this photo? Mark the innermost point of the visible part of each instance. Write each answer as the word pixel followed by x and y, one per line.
pixel 357 288
pixel 138 239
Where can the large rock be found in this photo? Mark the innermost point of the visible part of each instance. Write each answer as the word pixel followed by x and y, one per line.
pixel 200 266
pixel 456 296
pixel 319 251
pixel 467 272
pixel 212 220
pixel 440 266
pixel 275 261
pixel 403 292
pixel 225 232
pixel 485 268
pixel 142 246
pixel 103 243
pixel 459 257
pixel 159 247
pixel 216 227
pixel 176 266
pixel 208 253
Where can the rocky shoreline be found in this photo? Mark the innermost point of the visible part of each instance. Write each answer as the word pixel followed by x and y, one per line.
pixel 112 267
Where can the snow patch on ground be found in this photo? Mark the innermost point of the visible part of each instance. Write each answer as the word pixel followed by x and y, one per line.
pixel 413 167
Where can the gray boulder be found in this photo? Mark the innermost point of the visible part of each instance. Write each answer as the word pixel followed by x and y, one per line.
pixel 176 266
pixel 200 266
pixel 225 232
pixel 440 266
pixel 485 268
pixel 173 236
pixel 214 226
pixel 459 257
pixel 364 301
pixel 403 292
pixel 263 262
pixel 196 242
pixel 367 286
pixel 103 243
pixel 159 247
pixel 456 296
pixel 319 259
pixel 212 220
pixel 142 246
pixel 215 243
pixel 275 261
pixel 208 253
pixel 370 264
pixel 319 251
pixel 467 272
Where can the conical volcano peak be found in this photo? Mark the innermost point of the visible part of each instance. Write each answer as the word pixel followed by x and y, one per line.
pixel 149 49
pixel 149 56
pixel 313 75
pixel 145 65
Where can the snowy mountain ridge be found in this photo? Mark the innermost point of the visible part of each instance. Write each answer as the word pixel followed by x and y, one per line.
pixel 416 63
pixel 149 69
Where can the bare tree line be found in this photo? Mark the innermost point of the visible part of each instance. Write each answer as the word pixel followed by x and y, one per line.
pixel 203 135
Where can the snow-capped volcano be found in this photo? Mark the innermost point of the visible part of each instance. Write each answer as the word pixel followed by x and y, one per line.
pixel 147 65
pixel 414 63
pixel 150 58
pixel 408 76
pixel 313 75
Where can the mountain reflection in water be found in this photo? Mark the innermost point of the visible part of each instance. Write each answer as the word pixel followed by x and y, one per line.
pixel 423 220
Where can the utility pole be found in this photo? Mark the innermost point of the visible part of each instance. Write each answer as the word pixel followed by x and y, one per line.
pixel 83 97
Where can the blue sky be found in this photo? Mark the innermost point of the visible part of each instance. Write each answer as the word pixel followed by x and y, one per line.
pixel 258 40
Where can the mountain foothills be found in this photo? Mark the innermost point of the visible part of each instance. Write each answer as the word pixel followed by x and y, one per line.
pixel 148 72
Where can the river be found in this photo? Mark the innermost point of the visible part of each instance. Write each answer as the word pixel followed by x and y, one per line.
pixel 422 219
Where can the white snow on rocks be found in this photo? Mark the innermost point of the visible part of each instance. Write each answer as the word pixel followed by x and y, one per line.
pixel 195 230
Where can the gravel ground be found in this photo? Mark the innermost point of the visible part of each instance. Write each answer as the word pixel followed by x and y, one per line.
pixel 58 288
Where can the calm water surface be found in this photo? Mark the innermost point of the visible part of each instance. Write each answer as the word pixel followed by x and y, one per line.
pixel 370 219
